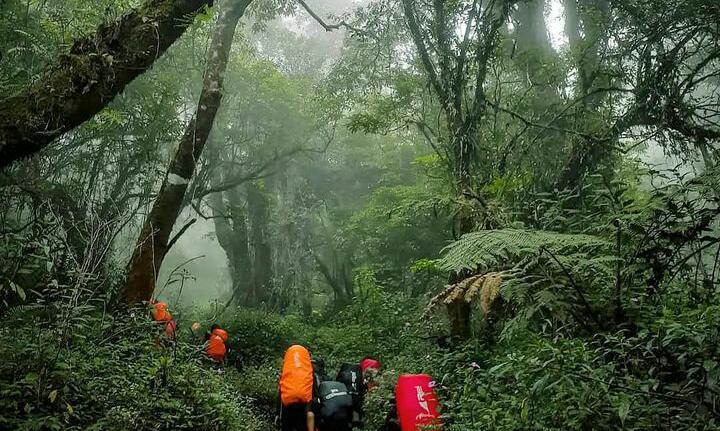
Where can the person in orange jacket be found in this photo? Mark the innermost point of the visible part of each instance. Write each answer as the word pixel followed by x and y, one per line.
pixel 162 316
pixel 216 348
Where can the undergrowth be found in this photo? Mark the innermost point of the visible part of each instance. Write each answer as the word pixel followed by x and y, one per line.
pixel 105 372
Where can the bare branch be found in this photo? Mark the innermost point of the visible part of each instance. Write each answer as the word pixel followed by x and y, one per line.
pixel 180 233
pixel 255 174
pixel 336 26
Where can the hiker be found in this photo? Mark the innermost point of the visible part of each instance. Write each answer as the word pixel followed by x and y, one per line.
pixel 216 348
pixel 334 407
pixel 196 331
pixel 296 390
pixel 415 405
pixel 351 376
pixel 162 316
pixel 370 370
pixel 319 374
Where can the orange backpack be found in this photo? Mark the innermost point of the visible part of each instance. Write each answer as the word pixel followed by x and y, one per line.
pixel 160 313
pixel 216 345
pixel 296 380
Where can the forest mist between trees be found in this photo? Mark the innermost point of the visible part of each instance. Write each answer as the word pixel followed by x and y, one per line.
pixel 516 197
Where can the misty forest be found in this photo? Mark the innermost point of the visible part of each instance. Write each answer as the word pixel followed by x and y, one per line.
pixel 517 198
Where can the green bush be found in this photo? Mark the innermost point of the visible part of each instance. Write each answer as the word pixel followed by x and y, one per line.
pixel 101 373
pixel 544 381
pixel 255 336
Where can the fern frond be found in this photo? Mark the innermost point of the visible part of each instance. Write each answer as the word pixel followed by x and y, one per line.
pixel 498 249
pixel 21 312
pixel 484 286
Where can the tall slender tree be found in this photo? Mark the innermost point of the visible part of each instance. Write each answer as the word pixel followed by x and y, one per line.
pixel 258 204
pixel 231 230
pixel 152 245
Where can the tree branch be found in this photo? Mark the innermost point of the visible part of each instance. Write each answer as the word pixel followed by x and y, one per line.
pixel 531 123
pixel 336 26
pixel 180 233
pixel 421 47
pixel 484 51
pixel 256 174
pixel 462 57
pixel 97 68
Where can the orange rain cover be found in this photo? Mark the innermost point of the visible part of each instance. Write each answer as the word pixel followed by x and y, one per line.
pixel 160 313
pixel 216 345
pixel 296 380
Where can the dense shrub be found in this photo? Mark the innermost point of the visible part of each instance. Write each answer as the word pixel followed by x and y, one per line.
pixel 103 372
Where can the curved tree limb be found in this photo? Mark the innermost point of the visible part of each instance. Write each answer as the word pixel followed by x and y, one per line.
pixel 331 27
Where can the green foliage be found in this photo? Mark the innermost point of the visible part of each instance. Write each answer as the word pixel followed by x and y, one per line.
pixel 28 262
pixel 499 249
pixel 99 371
pixel 533 380
pixel 257 335
pixel 607 316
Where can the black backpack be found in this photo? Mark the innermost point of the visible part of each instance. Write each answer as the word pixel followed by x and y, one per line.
pixel 335 409
pixel 351 375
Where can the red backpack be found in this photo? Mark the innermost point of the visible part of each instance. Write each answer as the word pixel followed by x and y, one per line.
pixel 417 403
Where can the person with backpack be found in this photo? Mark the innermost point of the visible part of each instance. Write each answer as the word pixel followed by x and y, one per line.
pixel 319 374
pixel 216 348
pixel 351 376
pixel 370 370
pixel 334 407
pixel 162 317
pixel 415 406
pixel 296 390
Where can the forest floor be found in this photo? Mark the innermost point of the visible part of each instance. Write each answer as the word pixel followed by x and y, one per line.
pixel 80 369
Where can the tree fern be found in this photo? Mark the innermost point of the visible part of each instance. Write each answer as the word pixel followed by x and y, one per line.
pixel 539 274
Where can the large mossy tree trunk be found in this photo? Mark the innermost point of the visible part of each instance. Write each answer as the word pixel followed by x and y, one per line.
pixel 84 81
pixel 258 202
pixel 338 275
pixel 586 24
pixel 231 230
pixel 535 55
pixel 152 244
pixel 536 62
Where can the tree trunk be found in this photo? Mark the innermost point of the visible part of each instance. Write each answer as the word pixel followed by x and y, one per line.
pixel 337 284
pixel 233 238
pixel 459 316
pixel 591 17
pixel 258 216
pixel 84 81
pixel 534 52
pixel 152 244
